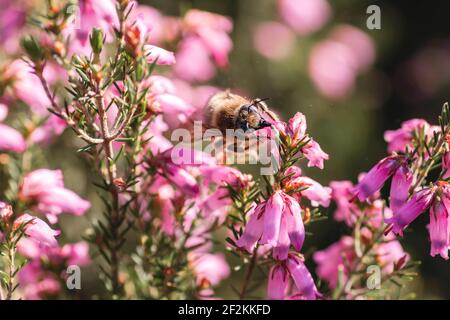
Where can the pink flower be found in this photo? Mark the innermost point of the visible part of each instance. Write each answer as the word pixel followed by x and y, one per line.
pixel 11 139
pixel 337 256
pixel 304 16
pixel 53 127
pixel 401 138
pixel 304 282
pixel 332 68
pixel 346 210
pixel 439 228
pixel 314 191
pixel 314 154
pixel 193 62
pixel 281 40
pixel 389 253
pixel 401 182
pixel 374 180
pixel 408 212
pixel 95 14
pixel 46 189
pixel 295 128
pixel 293 268
pixel 37 230
pixel 278 283
pixel 159 55
pixel 212 29
pixel 358 42
pixel 58 200
pixel 209 268
pixel 76 253
pixel 276 222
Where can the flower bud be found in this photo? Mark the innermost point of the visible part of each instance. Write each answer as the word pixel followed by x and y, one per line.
pixel 32 48
pixel 96 40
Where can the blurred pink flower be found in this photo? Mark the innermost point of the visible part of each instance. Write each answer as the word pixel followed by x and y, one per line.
pixel 11 139
pixel 304 16
pixel 193 62
pixel 37 230
pixel 337 256
pixel 159 55
pixel 278 283
pixel 3 112
pixel 335 63
pixel 12 21
pixel 45 188
pixel 53 127
pixel 342 194
pixel 332 69
pixel 359 42
pixel 94 14
pixel 24 82
pixel 209 268
pixel 273 40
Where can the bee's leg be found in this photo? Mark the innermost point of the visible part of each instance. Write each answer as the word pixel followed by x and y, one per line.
pixel 263 106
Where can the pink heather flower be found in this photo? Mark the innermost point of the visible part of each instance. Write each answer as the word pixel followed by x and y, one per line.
pixel 278 282
pixel 37 230
pixel 53 127
pixel 280 37
pixel 76 253
pixel 55 201
pixel 408 212
pixel 332 68
pixel 305 287
pixel 40 180
pixel 175 109
pixel 12 20
pixel 152 19
pixel 401 182
pixel 374 180
pixel 314 191
pixel 439 228
pixel 401 138
pixel 24 82
pixel 295 128
pixel 212 29
pixel 209 268
pixel 193 62
pixel 276 222
pixel 46 189
pixel 11 139
pixel 314 154
pixel 304 16
pixel 95 14
pixel 293 268
pixel 389 253
pixel 337 256
pixel 358 42
pixel 159 55
pixel 342 194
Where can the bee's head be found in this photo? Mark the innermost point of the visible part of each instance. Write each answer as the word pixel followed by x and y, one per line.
pixel 249 118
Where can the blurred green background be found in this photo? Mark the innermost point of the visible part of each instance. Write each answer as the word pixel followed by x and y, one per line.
pixel 410 78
